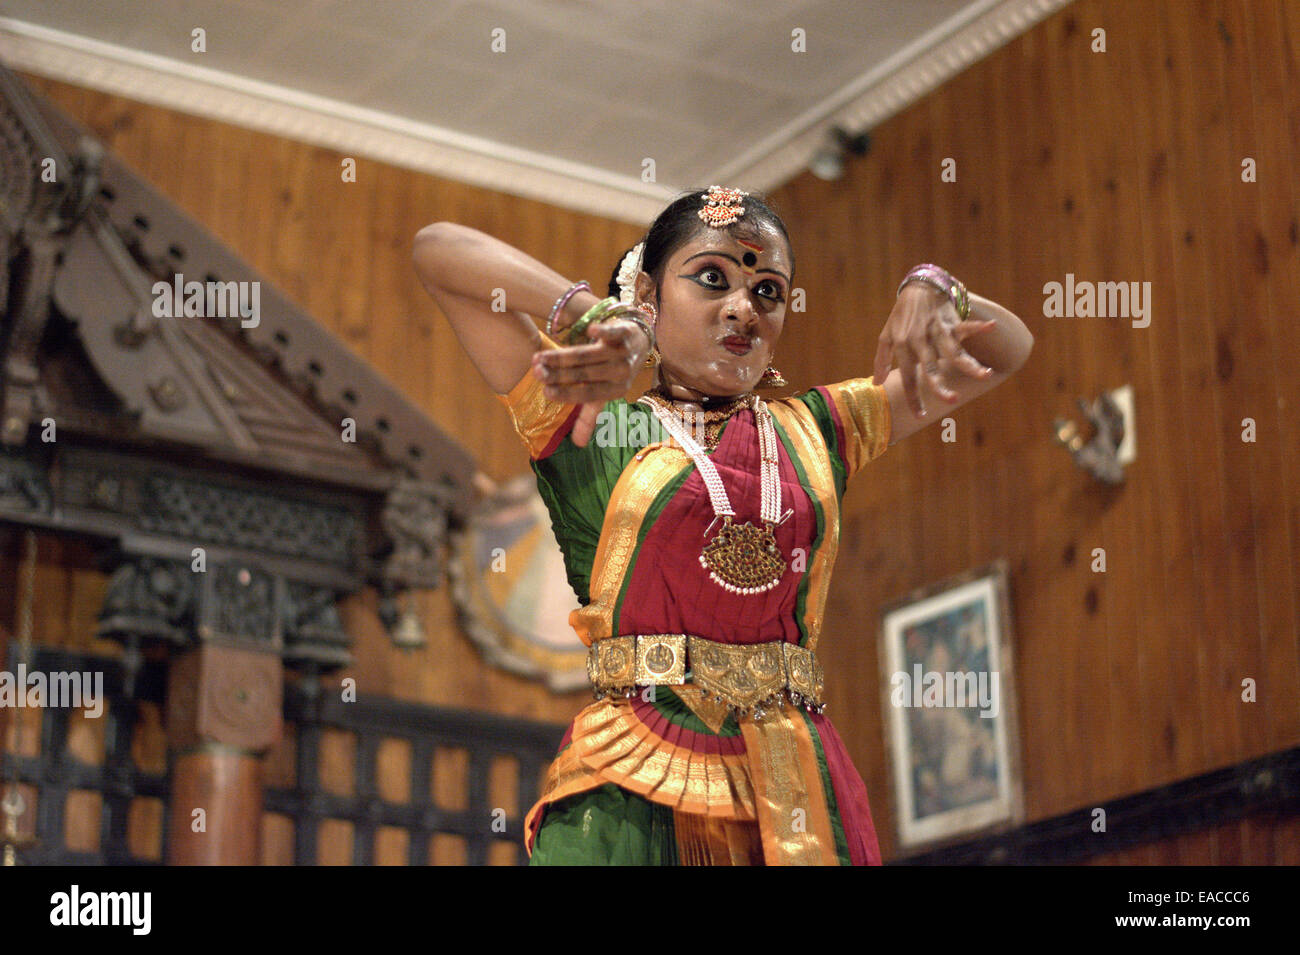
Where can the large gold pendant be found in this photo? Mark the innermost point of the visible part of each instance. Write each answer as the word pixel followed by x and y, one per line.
pixel 743 558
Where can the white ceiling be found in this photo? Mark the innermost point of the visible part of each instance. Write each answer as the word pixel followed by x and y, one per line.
pixel 583 93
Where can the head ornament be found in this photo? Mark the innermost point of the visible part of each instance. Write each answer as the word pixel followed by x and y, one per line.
pixel 722 206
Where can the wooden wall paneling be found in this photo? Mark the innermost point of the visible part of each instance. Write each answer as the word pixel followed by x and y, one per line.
pixel 1249 841
pixel 1163 465
pixel 1191 849
pixel 1261 461
pixel 1239 350
pixel 1262 99
pixel 1288 20
pixel 1085 134
pixel 1149 505
pixel 1049 665
pixel 396 340
pixel 1228 839
pixel 1120 522
pixel 1230 638
pixel 297 237
pixel 368 257
pixel 1091 515
pixel 1286 840
pixel 991 217
pixel 1139 517
pixel 1257 841
pixel 186 145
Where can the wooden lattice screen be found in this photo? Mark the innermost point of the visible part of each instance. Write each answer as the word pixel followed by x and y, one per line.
pixel 452 806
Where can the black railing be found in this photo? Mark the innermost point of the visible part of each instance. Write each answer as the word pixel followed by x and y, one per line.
pixel 55 772
pixel 426 729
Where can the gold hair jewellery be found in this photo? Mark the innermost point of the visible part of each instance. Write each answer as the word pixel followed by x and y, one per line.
pixel 722 206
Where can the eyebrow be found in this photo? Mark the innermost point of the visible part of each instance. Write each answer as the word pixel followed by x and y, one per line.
pixel 732 258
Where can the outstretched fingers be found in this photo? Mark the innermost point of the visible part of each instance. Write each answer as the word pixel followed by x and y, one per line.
pixel 961 359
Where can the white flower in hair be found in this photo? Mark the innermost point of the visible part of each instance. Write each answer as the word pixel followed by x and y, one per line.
pixel 627 273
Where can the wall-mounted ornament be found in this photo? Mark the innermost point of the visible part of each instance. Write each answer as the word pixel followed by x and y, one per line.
pixel 1112 444
pixel 512 596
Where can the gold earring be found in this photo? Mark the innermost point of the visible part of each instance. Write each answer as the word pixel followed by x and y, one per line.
pixel 652 359
pixel 771 379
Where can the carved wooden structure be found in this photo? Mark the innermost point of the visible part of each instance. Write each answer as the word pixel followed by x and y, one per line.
pixel 237 475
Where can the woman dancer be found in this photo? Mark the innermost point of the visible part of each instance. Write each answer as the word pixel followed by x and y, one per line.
pixel 700 523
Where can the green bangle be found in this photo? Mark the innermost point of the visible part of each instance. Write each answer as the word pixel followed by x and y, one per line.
pixel 576 334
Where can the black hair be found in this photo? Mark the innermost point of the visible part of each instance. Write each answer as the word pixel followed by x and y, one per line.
pixel 680 222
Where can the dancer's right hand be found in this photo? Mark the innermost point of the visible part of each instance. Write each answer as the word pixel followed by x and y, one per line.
pixel 593 374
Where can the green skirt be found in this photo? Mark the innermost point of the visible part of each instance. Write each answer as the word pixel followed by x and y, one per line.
pixel 606 826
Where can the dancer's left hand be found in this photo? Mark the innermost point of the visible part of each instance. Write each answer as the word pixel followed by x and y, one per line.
pixel 924 334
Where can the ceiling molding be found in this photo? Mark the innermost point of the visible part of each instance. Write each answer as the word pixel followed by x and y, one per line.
pixel 349 129
pixel 909 76
pixel 890 87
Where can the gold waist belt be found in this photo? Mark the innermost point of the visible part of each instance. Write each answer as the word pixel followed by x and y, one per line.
pixel 747 676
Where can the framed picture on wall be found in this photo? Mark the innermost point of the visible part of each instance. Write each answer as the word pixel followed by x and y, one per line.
pixel 948 692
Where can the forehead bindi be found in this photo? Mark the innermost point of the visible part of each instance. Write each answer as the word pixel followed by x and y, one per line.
pixel 752 254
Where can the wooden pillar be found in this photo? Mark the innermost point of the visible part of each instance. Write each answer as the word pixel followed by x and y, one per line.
pixel 223 714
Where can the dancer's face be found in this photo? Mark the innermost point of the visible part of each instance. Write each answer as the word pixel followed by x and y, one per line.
pixel 721 310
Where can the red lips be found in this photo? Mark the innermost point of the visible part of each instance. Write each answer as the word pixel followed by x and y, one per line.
pixel 737 344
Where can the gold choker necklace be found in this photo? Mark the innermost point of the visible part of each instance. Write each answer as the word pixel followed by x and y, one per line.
pixel 707 424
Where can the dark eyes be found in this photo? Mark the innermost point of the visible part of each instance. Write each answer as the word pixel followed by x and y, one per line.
pixel 720 283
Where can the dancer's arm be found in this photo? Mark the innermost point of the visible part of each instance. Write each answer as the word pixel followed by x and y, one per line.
pixel 468 272
pixel 971 356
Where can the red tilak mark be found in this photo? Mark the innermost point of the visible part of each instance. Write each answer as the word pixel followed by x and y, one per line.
pixel 751 245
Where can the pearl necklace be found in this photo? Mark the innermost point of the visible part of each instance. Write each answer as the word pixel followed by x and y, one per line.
pixel 742 558
pixel 709 423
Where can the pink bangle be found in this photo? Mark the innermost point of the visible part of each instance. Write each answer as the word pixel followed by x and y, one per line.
pixel 562 301
pixel 942 280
